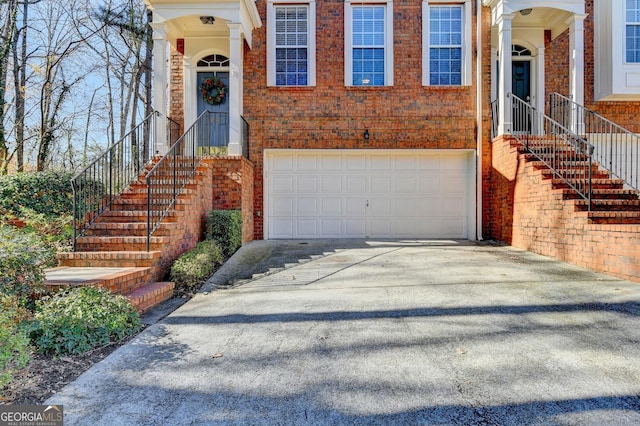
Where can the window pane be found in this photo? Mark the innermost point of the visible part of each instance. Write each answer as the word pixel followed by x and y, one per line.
pixel 368 55
pixel 445 41
pixel 291 38
pixel 368 67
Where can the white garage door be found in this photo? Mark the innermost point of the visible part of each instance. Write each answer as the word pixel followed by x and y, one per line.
pixel 368 193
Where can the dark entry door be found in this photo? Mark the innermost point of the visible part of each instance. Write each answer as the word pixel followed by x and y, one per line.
pixel 521 87
pixel 219 120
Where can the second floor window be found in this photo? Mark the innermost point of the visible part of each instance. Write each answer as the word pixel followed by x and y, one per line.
pixel 368 44
pixel 632 37
pixel 291 45
pixel 445 45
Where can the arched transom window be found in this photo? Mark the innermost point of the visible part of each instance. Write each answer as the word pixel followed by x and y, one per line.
pixel 517 50
pixel 214 60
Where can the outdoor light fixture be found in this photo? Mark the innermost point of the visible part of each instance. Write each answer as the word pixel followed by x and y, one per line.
pixel 525 12
pixel 366 134
pixel 207 20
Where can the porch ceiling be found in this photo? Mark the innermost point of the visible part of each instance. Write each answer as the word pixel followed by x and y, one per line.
pixel 544 17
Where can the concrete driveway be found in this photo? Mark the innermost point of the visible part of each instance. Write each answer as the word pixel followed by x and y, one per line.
pixel 416 332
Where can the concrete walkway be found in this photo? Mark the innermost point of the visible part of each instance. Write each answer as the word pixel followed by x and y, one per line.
pixel 436 333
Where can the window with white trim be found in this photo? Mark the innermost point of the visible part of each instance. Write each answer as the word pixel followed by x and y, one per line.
pixel 447 43
pixel 632 37
pixel 291 44
pixel 368 44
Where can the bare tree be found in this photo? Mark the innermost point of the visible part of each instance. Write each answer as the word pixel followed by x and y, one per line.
pixel 9 9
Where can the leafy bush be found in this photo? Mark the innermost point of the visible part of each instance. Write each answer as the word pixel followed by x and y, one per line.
pixel 225 227
pixel 23 257
pixel 81 319
pixel 47 193
pixel 194 267
pixel 55 231
pixel 14 343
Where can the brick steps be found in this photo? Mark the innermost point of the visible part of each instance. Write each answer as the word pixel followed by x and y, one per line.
pixel 138 229
pixel 118 238
pixel 611 203
pixel 119 243
pixel 118 280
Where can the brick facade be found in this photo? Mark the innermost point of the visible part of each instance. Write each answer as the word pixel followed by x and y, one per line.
pixel 332 116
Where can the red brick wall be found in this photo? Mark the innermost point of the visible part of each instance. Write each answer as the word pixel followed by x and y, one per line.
pixel 233 190
pixel 176 87
pixel 331 115
pixel 528 214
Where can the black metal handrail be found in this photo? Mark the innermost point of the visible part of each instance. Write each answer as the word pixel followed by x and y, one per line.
pixel 616 149
pixel 97 185
pixel 494 119
pixel 209 135
pixel 567 155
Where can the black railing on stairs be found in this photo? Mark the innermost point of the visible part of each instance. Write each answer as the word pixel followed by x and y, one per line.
pixel 567 155
pixel 95 187
pixel 209 135
pixel 615 148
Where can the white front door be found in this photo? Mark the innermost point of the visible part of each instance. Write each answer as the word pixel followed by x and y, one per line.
pixel 368 193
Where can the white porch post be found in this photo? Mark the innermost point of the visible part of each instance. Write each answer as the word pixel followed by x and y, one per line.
pixel 235 89
pixel 160 85
pixel 576 70
pixel 504 73
pixel 540 87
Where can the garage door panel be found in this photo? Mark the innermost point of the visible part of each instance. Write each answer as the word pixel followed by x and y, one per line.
pixel 453 184
pixel 330 206
pixel 405 184
pixel 307 206
pixel 453 228
pixel 307 163
pixel 380 207
pixel 356 184
pixel 282 184
pixel 380 163
pixel 330 228
pixel 429 184
pixel 355 228
pixel 356 206
pixel 307 228
pixel 282 206
pixel 331 162
pixel 356 163
pixel 281 228
pixel 281 163
pixel 381 184
pixel 331 184
pixel 307 184
pixel 367 193
pixel 380 228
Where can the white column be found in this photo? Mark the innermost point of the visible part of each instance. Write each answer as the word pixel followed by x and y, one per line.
pixel 540 86
pixel 576 69
pixel 190 92
pixel 160 85
pixel 505 124
pixel 235 89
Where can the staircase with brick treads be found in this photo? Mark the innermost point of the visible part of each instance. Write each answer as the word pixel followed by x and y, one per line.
pixel 112 252
pixel 533 208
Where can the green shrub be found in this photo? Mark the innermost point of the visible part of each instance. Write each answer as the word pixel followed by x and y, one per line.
pixel 225 227
pixel 81 319
pixel 194 267
pixel 23 257
pixel 55 231
pixel 14 343
pixel 47 193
